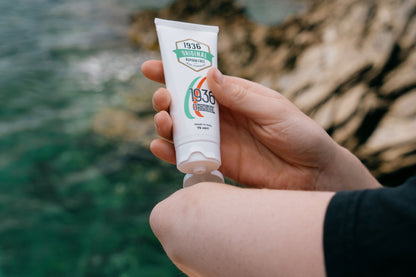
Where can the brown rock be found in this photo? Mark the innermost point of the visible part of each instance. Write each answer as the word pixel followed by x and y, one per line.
pixel 349 64
pixel 124 125
pixel 398 126
pixel 401 79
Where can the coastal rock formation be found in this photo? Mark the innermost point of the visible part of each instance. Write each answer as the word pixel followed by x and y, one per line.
pixel 349 64
pixel 123 124
pixel 237 38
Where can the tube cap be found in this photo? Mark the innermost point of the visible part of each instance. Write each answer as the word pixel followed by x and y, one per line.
pixel 192 179
pixel 197 158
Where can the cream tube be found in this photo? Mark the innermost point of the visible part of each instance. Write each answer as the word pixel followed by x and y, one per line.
pixel 188 51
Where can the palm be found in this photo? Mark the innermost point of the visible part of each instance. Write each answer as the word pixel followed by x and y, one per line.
pixel 249 156
pixel 273 144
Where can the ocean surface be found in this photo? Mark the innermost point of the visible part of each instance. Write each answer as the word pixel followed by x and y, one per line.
pixel 72 202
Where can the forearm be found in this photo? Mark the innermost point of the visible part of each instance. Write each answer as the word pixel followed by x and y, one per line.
pixel 218 230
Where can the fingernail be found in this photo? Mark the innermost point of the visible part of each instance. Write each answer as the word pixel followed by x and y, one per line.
pixel 218 77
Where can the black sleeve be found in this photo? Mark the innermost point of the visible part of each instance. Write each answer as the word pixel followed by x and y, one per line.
pixel 372 232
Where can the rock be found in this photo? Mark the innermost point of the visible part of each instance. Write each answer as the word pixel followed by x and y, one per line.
pixel 401 79
pixel 142 31
pixel 124 125
pixel 236 39
pixel 349 64
pixel 398 126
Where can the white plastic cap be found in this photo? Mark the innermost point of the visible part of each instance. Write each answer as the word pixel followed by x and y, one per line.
pixel 194 159
pixel 192 179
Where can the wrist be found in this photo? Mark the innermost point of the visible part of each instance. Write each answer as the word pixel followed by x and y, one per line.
pixel 344 171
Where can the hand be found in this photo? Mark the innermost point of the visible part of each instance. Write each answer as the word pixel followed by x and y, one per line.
pixel 266 141
pixel 212 229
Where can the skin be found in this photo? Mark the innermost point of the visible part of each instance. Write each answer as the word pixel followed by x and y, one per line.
pixel 212 229
pixel 267 144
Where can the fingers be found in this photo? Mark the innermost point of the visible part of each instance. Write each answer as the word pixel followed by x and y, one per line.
pixel 242 96
pixel 161 148
pixel 164 150
pixel 153 70
pixel 161 100
pixel 234 96
pixel 163 124
pixel 163 121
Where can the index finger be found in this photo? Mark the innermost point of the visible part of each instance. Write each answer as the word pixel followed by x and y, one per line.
pixel 153 70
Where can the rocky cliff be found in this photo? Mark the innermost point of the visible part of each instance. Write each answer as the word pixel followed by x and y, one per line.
pixel 349 64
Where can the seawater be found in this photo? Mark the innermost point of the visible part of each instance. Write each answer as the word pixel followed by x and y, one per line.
pixel 74 203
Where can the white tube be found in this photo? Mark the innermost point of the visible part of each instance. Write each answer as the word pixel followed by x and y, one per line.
pixel 188 51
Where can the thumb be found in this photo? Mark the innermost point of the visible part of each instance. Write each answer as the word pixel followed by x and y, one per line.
pixel 237 97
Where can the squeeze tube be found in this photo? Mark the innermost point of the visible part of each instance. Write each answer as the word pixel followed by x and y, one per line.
pixel 188 51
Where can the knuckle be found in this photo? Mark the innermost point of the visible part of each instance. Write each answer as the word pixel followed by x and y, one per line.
pixel 238 93
pixel 158 98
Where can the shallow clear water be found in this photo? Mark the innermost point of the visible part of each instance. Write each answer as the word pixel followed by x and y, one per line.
pixel 73 203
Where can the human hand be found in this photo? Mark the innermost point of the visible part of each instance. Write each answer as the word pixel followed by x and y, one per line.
pixel 266 141
pixel 207 230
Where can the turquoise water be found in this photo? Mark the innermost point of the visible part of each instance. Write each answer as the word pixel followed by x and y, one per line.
pixel 72 202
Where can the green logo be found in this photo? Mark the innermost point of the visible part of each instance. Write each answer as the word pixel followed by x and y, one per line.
pixel 193 54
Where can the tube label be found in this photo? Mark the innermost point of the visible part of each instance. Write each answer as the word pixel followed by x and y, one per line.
pixel 193 54
pixel 199 99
